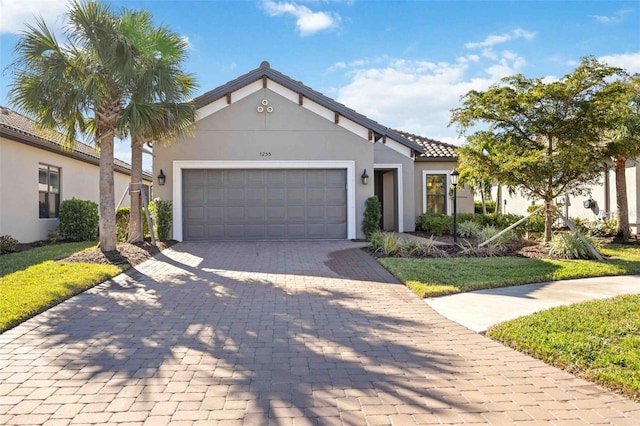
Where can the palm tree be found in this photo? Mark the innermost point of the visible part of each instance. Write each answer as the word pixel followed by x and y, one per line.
pixel 79 87
pixel 158 109
pixel 622 138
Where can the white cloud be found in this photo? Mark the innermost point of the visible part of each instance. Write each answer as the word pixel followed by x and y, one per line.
pixel 492 40
pixel 614 19
pixel 627 61
pixel 15 13
pixel 308 22
pixel 417 96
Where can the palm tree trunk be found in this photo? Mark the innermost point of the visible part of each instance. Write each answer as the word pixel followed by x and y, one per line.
pixel 135 214
pixel 107 198
pixel 622 205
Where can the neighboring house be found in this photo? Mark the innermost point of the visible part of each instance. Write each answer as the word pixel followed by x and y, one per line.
pixel 272 159
pixel 37 173
pixel 598 203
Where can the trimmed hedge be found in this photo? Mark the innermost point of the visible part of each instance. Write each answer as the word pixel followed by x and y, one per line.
pixel 78 220
pixel 162 218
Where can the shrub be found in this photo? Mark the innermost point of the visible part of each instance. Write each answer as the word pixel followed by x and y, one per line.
pixel 418 248
pixel 8 244
pixel 122 223
pixel 572 245
pixel 389 244
pixel 435 223
pixel 78 220
pixel 372 216
pixel 162 218
pixel 490 205
pixel 607 227
pixel 53 235
pixel 469 229
pixel 385 243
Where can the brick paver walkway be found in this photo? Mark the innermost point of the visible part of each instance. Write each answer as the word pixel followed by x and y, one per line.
pixel 275 333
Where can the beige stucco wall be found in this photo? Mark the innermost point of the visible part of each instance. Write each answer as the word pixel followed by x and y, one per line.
pixel 517 204
pixel 238 133
pixel 464 197
pixel 19 188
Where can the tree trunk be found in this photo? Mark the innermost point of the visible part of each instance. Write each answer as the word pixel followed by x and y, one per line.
pixel 548 220
pixel 107 200
pixel 483 198
pixel 624 231
pixel 135 214
pixel 498 209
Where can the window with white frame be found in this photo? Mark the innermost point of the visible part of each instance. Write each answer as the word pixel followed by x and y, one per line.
pixel 434 192
pixel 49 191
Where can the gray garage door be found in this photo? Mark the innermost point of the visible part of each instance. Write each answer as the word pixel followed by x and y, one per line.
pixel 264 204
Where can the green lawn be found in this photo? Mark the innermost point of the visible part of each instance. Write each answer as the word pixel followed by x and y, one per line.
pixel 440 276
pixel 31 281
pixel 597 340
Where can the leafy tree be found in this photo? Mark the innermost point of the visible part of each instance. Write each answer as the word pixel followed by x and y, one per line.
pixel 543 136
pixel 622 138
pixel 472 166
pixel 158 109
pixel 79 86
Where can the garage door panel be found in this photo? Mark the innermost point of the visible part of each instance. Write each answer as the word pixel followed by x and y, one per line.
pixel 256 196
pixel 255 213
pixel 276 213
pixel 214 177
pixel 235 214
pixel 215 214
pixel 264 204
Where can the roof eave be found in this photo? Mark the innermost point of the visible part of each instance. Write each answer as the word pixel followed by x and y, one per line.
pixel 308 93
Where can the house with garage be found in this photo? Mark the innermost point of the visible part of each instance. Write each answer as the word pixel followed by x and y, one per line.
pixel 37 172
pixel 599 201
pixel 272 159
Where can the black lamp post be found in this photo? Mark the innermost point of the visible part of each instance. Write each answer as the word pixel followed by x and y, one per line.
pixel 454 182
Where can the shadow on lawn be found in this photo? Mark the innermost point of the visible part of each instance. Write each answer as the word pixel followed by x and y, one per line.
pixel 275 341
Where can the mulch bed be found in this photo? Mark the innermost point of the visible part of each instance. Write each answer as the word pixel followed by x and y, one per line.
pixel 133 254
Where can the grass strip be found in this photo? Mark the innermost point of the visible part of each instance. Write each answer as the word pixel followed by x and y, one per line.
pixel 597 340
pixel 16 261
pixel 29 291
pixel 432 277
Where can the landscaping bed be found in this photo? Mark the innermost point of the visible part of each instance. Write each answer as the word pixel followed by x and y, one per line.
pixel 126 253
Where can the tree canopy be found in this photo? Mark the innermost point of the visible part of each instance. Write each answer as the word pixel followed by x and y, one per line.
pixel 106 79
pixel 543 136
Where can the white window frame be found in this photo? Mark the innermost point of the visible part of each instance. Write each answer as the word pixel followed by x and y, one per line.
pixel 447 200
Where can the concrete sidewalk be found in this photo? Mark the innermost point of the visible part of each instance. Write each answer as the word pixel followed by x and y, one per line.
pixel 479 310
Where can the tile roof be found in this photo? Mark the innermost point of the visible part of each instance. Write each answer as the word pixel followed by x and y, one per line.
pixel 23 129
pixel 432 149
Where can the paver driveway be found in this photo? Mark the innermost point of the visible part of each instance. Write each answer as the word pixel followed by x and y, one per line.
pixel 274 333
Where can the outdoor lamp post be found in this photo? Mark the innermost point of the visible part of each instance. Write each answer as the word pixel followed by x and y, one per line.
pixel 454 182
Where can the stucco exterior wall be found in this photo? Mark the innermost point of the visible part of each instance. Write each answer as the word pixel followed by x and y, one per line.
pixel 464 197
pixel 606 205
pixel 19 188
pixel 239 133
pixel 387 156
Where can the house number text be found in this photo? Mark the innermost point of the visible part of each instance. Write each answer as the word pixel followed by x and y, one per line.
pixel 265 154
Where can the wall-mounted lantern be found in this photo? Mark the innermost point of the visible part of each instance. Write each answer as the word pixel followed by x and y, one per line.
pixel 365 177
pixel 161 178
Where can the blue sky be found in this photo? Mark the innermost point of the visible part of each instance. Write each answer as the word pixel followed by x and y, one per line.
pixel 404 64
